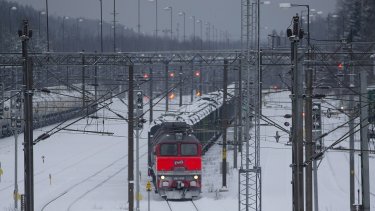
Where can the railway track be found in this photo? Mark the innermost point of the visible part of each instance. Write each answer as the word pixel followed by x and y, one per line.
pixel 180 205
pixel 71 165
pixel 83 181
pixel 99 184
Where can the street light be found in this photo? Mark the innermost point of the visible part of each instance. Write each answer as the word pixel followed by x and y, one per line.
pixel 171 9
pixel 10 22
pixel 47 26
pixel 156 16
pixel 201 23
pixel 79 20
pixel 40 13
pixel 101 25
pixel 193 18
pixel 183 14
pixel 208 29
pixel 63 30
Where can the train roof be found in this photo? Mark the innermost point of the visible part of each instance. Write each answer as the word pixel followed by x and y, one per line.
pixel 199 109
pixel 173 138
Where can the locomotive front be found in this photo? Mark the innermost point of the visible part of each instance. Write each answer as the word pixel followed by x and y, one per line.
pixel 177 164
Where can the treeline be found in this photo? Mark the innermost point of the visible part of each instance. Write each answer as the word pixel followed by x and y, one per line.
pixel 77 34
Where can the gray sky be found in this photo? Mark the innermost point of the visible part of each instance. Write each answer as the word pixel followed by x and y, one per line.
pixel 224 14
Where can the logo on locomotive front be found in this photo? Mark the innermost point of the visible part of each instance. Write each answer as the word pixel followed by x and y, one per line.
pixel 178 162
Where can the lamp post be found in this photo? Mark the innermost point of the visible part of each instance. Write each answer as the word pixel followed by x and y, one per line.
pixel 77 31
pixel 40 13
pixel 10 22
pixel 63 31
pixel 208 29
pixel 47 26
pixel 201 25
pixel 184 15
pixel 139 19
pixel 156 16
pixel 114 25
pixel 193 18
pixel 170 9
pixel 308 128
pixel 101 25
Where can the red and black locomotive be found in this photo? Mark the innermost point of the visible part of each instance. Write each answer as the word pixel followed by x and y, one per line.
pixel 175 161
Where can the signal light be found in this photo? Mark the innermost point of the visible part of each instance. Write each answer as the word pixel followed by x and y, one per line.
pixel 340 66
pixel 197 73
pixel 171 96
pixel 146 75
pixel 171 74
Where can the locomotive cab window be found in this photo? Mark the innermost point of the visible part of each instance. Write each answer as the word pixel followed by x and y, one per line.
pixel 189 149
pixel 168 149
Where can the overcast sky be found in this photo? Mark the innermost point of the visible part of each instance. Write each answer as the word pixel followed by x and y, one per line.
pixel 223 14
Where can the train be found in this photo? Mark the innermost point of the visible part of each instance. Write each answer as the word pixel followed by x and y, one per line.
pixel 50 105
pixel 178 140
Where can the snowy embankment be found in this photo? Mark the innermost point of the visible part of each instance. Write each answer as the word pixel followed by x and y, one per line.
pixel 89 171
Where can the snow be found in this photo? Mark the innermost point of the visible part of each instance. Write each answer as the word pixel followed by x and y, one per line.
pixel 89 171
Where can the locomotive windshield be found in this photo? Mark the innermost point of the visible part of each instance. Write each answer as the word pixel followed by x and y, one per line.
pixel 168 149
pixel 189 149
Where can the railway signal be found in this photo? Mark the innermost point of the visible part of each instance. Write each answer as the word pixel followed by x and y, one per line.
pixel 317 121
pixel 1 101
pixel 139 109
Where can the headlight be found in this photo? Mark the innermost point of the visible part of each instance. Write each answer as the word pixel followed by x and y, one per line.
pixel 162 177
pixel 195 176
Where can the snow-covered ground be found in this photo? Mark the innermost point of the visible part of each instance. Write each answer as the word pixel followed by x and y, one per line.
pixel 89 171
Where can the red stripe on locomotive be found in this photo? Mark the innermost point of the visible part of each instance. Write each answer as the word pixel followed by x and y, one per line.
pixel 177 163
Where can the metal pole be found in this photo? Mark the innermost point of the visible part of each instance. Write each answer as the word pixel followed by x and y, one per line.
pixel 193 32
pixel 15 167
pixel 131 139
pixel 201 22
pixel 101 26
pixel 297 122
pixel 224 124
pixel 28 115
pixel 83 82
pixel 156 20
pixel 96 81
pixel 151 95
pixel 38 25
pixel 259 111
pixel 166 87
pixel 364 143
pixel 316 197
pixel 63 32
pixel 47 26
pixel 308 121
pixel 171 23
pixel 236 120
pixel 184 26
pixel 181 86
pixel 114 25
pixel 137 160
pixel 351 145
pixel 240 122
pixel 192 82
pixel 200 78
pixel 148 203
pixel 139 18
